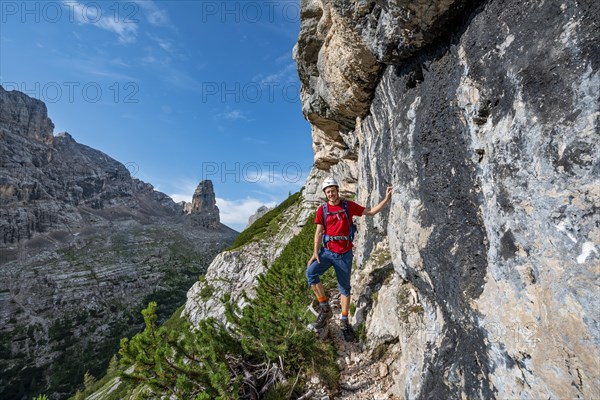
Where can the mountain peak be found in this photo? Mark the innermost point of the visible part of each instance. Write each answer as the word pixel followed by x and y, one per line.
pixel 203 209
pixel 25 116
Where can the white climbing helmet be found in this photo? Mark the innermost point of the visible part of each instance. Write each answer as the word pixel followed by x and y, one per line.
pixel 329 182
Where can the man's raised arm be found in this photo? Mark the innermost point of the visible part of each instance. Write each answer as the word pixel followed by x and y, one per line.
pixel 374 210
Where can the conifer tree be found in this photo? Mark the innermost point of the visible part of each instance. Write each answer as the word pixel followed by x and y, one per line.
pixel 113 365
pixel 186 363
pixel 88 380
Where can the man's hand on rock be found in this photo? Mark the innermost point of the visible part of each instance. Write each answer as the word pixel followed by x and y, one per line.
pixel 388 192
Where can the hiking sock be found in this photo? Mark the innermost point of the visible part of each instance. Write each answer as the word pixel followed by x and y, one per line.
pixel 323 302
pixel 344 315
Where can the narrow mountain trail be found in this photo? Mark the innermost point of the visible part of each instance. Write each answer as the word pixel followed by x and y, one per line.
pixel 361 377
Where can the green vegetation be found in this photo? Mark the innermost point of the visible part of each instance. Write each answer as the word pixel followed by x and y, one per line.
pixel 406 307
pixel 68 253
pixel 382 348
pixel 361 332
pixel 184 363
pixel 274 324
pixel 91 385
pixel 381 276
pixel 374 297
pixel 381 257
pixel 175 262
pixel 109 384
pixel 207 291
pixel 267 225
pixel 266 345
pixel 378 278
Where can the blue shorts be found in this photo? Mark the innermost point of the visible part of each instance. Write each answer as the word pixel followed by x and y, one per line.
pixel 342 263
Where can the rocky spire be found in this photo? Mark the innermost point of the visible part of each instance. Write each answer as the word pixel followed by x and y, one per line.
pixel 204 210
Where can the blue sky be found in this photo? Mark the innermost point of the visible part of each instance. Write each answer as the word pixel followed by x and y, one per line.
pixel 179 91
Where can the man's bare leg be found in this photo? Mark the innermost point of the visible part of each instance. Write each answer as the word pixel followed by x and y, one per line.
pixel 318 289
pixel 345 300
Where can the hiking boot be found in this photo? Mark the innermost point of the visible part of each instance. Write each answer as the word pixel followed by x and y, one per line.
pixel 325 315
pixel 347 330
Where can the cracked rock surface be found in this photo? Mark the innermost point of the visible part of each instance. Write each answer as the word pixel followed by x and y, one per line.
pixel 480 280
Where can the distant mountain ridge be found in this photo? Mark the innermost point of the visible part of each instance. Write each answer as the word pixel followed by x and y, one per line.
pixel 84 246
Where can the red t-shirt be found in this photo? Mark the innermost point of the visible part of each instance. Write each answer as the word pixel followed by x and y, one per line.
pixel 338 224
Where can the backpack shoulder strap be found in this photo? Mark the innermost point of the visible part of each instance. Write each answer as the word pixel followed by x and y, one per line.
pixel 325 238
pixel 345 205
pixel 350 222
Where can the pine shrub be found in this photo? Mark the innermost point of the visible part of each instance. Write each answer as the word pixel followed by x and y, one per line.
pixel 264 352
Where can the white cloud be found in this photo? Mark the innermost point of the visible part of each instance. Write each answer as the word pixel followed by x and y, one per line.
pixel 185 189
pixel 163 43
pixel 154 15
pixel 285 74
pixel 149 59
pixel 119 62
pixel 290 176
pixel 234 115
pixel 284 58
pixel 235 213
pixel 125 29
pixel 112 75
pixel 96 67
pixel 178 198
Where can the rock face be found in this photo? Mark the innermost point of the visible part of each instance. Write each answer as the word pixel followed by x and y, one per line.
pixel 262 210
pixel 337 71
pixel 25 116
pixel 344 46
pixel 203 210
pixel 84 246
pixel 480 279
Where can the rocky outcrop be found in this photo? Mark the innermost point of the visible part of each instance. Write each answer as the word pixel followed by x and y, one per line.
pixel 337 71
pixel 203 210
pixel 480 280
pixel 262 210
pixel 84 246
pixel 344 46
pixel 24 116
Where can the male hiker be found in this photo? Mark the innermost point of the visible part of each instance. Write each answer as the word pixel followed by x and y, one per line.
pixel 336 231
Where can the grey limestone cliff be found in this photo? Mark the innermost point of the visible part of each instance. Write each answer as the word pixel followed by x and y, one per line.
pixel 481 278
pixel 84 246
